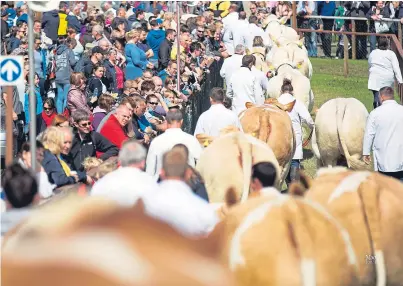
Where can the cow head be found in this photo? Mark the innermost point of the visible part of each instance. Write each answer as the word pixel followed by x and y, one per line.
pixel 204 139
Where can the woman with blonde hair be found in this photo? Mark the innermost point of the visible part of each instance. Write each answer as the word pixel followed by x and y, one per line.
pixel 136 59
pixel 57 170
pixel 259 51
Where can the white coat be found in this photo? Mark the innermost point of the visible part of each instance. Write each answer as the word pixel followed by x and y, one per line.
pixel 228 37
pixel 383 69
pixel 254 31
pixel 229 66
pixel 241 32
pixel 244 87
pixel 297 115
pixel 262 79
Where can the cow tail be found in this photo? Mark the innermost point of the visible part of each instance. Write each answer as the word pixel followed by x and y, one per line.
pixel 265 126
pixel 352 162
pixel 369 195
pixel 245 157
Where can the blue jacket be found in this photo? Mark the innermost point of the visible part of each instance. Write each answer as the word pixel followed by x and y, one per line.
pixel 73 22
pixel 39 104
pixel 44 66
pixel 136 62
pixel 50 24
pixel 163 75
pixel 65 62
pixel 326 9
pixel 154 39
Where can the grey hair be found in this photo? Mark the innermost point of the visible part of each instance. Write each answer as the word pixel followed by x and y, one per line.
pixel 240 49
pixel 80 115
pixel 98 29
pixel 132 153
pixel 104 41
pixel 174 115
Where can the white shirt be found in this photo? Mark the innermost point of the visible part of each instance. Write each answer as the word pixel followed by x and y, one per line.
pixel 384 133
pixel 124 185
pixel 164 143
pixel 254 31
pixel 297 115
pixel 216 118
pixel 228 37
pixel 383 68
pixel 262 79
pixel 229 66
pixel 243 88
pixel 176 204
pixel 240 31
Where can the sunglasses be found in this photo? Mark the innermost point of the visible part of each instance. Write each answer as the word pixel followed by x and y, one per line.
pixel 85 124
pixel 47 108
pixel 153 103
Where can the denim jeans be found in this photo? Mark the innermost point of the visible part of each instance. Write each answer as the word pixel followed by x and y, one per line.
pixel 397 175
pixel 61 98
pixel 372 43
pixel 310 43
pixel 377 100
pixel 293 174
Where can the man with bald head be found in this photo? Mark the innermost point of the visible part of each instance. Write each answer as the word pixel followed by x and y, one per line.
pixel 114 128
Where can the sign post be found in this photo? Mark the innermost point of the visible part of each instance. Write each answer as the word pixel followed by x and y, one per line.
pixel 32 97
pixel 11 74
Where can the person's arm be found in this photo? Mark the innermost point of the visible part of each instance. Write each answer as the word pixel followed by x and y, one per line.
pixel 162 101
pixel 149 53
pixel 135 55
pixel 304 115
pixel 396 68
pixel 199 126
pixel 222 70
pixel 164 55
pixel 105 146
pixel 369 135
pixel 56 172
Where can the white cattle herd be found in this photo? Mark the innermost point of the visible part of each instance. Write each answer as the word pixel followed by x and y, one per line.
pixel 341 228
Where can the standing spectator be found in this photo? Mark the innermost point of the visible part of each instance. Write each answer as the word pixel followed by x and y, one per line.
pixel 198 34
pixel 97 56
pixel 118 185
pixel 114 127
pixel 87 143
pixel 65 62
pixel 44 119
pixel 184 42
pixel 383 69
pixel 76 98
pixel 170 71
pixel 39 103
pixel 307 8
pixel 17 34
pixel 118 31
pixel 74 20
pixel 105 104
pixel 217 117
pixel 40 61
pixel 164 142
pixel 142 43
pixel 62 30
pixel 244 87
pixel 79 49
pixel 327 8
pixel 4 26
pixel 121 18
pixel 220 8
pixel 50 24
pixel 375 15
pixel 98 34
pixel 135 57
pixel 164 53
pixel 232 64
pixel 284 9
pixel 114 77
pixel 22 49
pixel 154 38
pixel 339 26
pixel 384 133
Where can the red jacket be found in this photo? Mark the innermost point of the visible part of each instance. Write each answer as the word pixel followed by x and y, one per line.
pixel 114 132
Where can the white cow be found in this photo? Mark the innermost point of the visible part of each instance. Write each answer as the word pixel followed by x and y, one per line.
pixel 339 131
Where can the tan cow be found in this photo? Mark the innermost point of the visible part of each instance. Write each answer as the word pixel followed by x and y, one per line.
pixel 124 247
pixel 271 124
pixel 369 206
pixel 339 132
pixel 227 163
pixel 281 240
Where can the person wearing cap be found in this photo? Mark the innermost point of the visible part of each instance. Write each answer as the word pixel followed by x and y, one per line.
pixel 97 57
pixel 4 26
pixel 23 14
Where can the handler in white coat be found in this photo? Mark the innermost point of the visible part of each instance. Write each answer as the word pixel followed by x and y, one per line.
pixel 228 22
pixel 244 86
pixel 298 114
pixel 232 64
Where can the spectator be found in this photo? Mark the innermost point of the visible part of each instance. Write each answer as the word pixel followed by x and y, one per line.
pixel 164 53
pixel 65 62
pixel 198 34
pixel 62 30
pixel 76 98
pixel 232 64
pixel 217 117
pixel 174 202
pixel 284 9
pixel 136 58
pixel 22 49
pixel 95 86
pixel 40 60
pixel 118 185
pixel 39 103
pixel 384 134
pixel 105 104
pixel 140 121
pixel 155 118
pixel 107 7
pixel 264 176
pixel 164 142
pixel 130 87
pixel 44 119
pixel 375 14
pixel 327 8
pixel 50 24
pixel 118 31
pixel 307 8
pixel 21 191
pixel 244 87
pixel 74 20
pixel 142 43
pixel 158 83
pixel 58 171
pixel 97 55
pixel 60 121
pixel 298 114
pixel 121 19
pixel 154 38
pixel 87 143
pixel 105 45
pixel 98 34
pixel 114 77
pixel 170 71
pixel 114 128
pixel 15 39
pixel 79 49
pixel 220 8
pixel 4 26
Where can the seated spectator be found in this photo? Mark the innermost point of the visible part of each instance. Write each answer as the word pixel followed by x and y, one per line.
pixel 76 98
pixel 44 119
pixel 21 192
pixel 114 130
pixel 128 183
pixel 105 105
pixel 263 179
pixel 139 118
pixel 152 116
pixel 129 88
pixel 86 143
pixel 98 35
pixel 175 203
pixel 58 171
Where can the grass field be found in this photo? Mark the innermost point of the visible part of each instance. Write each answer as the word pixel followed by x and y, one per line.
pixel 328 82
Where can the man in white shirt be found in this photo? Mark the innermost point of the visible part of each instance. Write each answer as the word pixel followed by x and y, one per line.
pixel 164 142
pixel 244 87
pixel 253 31
pixel 175 203
pixel 384 133
pixel 241 30
pixel 212 121
pixel 263 179
pixel 126 184
pixel 228 22
pixel 232 64
pixel 260 76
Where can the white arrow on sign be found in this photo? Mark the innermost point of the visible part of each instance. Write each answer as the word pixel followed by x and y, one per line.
pixel 10 69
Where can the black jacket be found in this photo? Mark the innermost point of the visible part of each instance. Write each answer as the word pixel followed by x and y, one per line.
pixel 385 12
pixel 164 54
pixel 117 20
pixel 73 22
pixel 92 143
pixel 4 29
pixel 109 78
pixel 50 24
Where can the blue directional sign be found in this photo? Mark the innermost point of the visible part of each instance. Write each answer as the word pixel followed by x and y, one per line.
pixel 11 68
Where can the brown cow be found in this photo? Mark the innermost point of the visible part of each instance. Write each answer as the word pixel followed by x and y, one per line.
pixel 270 123
pixel 283 240
pixel 124 247
pixel 369 206
pixel 227 163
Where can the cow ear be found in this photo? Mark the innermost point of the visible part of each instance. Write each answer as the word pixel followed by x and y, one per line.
pixel 249 105
pixel 299 64
pixel 305 180
pixel 296 189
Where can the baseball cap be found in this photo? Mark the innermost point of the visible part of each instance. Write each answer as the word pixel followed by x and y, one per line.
pixel 97 50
